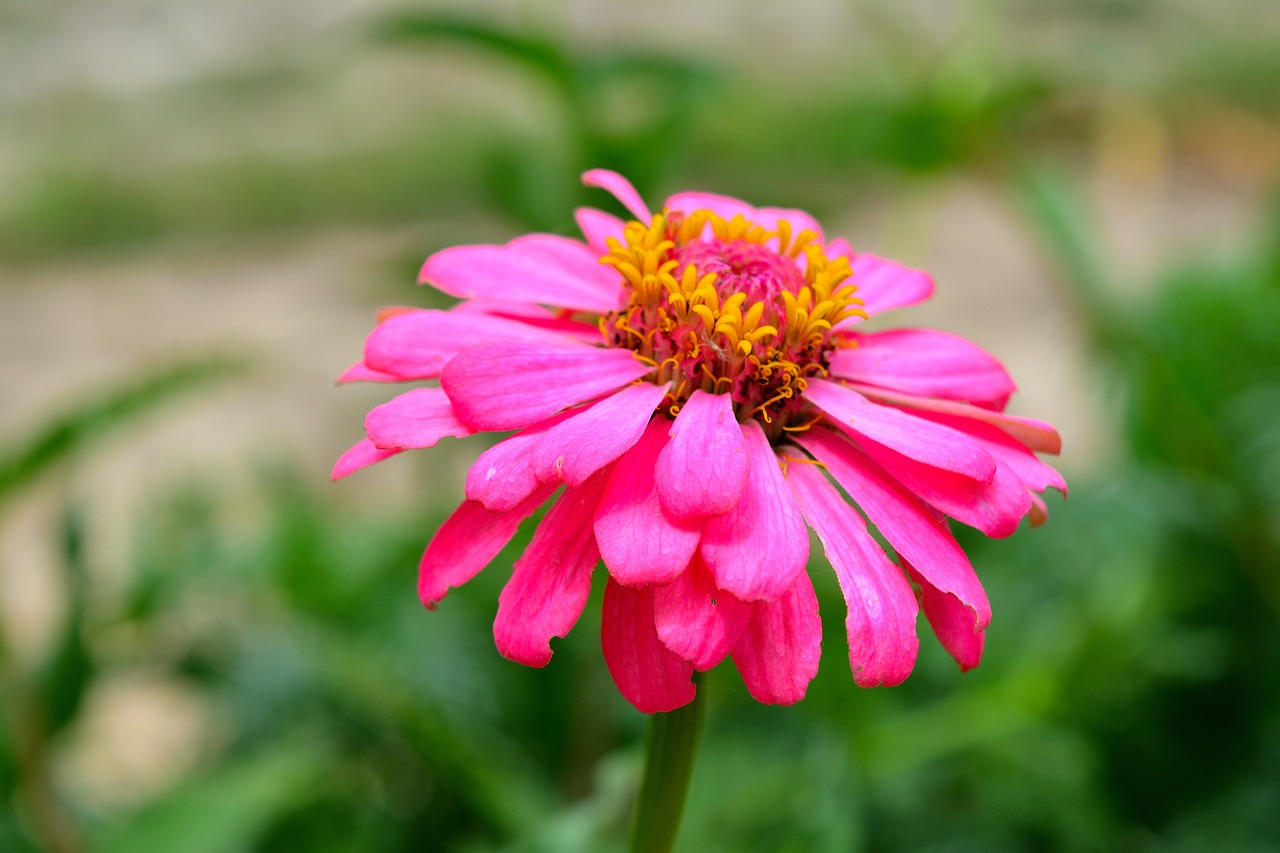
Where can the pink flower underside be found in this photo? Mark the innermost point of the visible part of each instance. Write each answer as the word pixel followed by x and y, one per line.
pixel 697 620
pixel 1039 511
pixel 702 471
pixel 914 530
pixel 466 543
pixel 926 363
pixel 512 385
pixel 621 189
pixel 951 621
pixel 552 579
pixel 928 443
pixel 417 344
pixel 757 550
pixel 641 543
pixel 361 455
pixel 778 654
pixel 882 608
pixel 542 269
pixel 648 674
pixel 1034 434
pixel 414 420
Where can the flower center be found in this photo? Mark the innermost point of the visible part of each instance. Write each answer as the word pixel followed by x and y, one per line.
pixel 729 307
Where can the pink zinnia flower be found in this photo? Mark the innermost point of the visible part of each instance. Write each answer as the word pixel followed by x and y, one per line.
pixel 697 382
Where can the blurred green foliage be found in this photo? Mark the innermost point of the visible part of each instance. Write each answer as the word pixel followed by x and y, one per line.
pixel 1130 704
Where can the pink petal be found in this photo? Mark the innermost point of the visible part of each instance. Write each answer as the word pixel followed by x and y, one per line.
pixel 589 440
pixel 798 219
pixel 361 372
pixel 995 508
pixel 778 654
pixel 703 469
pixel 928 363
pixel 914 531
pixel 598 226
pixel 1039 512
pixel 621 189
pixel 726 207
pixel 1035 434
pixel 951 621
pixel 530 272
pixel 503 476
pixel 642 544
pixel 696 620
pixel 648 674
pixel 758 549
pixel 416 419
pixel 361 455
pixel 882 284
pixel 917 439
pixel 882 606
pixel 466 542
pixel 1006 450
pixel 552 579
pixel 512 385
pixel 418 344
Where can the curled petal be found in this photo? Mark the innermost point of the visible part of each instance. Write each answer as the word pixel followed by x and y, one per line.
pixel 761 546
pixel 466 542
pixel 641 543
pixel 414 420
pixel 995 508
pixel 697 620
pixel 552 579
pixel 882 607
pixel 648 674
pixel 621 189
pixel 510 385
pixel 703 469
pixel 361 372
pixel 778 654
pixel 951 621
pixel 914 530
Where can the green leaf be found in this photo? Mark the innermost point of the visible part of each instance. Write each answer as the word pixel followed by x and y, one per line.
pixel 118 406
pixel 227 809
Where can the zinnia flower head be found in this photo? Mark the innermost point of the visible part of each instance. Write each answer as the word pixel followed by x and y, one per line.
pixel 697 382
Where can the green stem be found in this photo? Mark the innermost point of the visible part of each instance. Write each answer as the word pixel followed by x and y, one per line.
pixel 669 751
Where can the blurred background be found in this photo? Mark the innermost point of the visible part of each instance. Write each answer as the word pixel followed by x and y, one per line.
pixel 206 646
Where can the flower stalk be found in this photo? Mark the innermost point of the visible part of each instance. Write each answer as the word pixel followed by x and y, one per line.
pixel 670 747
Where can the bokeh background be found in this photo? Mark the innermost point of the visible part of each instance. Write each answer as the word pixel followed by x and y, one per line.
pixel 206 646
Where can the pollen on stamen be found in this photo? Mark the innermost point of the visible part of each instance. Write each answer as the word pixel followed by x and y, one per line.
pixel 727 306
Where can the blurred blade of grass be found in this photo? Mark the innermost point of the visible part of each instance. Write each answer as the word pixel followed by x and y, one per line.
pixel 69 668
pixel 540 55
pixel 229 807
pixel 107 410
